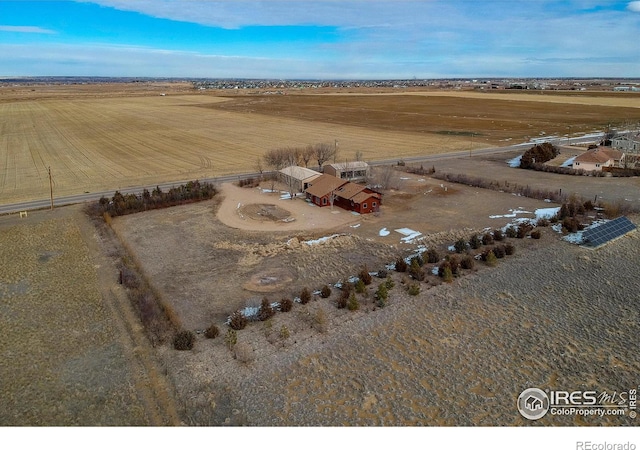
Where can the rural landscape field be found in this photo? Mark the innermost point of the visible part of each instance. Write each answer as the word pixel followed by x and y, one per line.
pixel 550 314
pixel 121 138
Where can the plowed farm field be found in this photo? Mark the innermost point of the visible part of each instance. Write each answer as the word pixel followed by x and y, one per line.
pixel 108 142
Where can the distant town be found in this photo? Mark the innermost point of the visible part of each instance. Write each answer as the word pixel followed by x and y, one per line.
pixel 561 84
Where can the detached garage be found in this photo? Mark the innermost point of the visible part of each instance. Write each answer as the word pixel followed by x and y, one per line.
pixel 299 178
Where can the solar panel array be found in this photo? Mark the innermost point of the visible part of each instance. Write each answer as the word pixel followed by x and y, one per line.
pixel 600 235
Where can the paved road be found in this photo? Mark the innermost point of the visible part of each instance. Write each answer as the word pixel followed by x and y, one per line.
pixel 94 196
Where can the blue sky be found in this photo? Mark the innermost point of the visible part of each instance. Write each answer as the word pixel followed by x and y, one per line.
pixel 323 39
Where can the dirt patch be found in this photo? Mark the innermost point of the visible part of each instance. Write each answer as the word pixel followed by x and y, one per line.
pixel 265 211
pixel 270 280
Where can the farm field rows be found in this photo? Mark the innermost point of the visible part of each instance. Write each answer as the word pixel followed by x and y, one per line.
pixel 107 144
pixel 492 119
pixel 117 139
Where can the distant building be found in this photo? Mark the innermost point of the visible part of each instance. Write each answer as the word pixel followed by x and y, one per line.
pixel 299 178
pixel 350 171
pixel 598 158
pixel 627 144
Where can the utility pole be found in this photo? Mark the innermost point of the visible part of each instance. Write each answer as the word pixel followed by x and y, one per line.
pixel 51 187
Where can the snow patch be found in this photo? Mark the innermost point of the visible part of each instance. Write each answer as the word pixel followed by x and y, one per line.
pixel 384 232
pixel 321 240
pixel 515 162
pixel 546 213
pixel 512 213
pixel 409 235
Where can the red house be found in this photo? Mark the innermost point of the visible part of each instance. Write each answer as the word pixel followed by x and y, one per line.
pixel 327 189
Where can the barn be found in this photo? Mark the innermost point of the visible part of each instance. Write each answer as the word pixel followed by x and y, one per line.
pixel 350 171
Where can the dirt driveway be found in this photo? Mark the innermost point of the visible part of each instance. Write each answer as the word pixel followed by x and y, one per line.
pixel 302 215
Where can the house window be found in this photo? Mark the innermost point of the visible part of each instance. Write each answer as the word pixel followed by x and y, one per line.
pixel 374 204
pixel 364 206
pixel 324 200
pixel 597 165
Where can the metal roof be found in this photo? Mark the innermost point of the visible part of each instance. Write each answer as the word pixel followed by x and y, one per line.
pixel 300 173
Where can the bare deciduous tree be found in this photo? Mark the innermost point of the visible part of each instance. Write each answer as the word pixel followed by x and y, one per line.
pixel 307 155
pixel 323 153
pixel 385 177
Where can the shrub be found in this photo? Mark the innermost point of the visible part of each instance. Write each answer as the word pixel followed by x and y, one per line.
pixel 231 338
pixel 389 283
pixel 321 321
pixel 401 265
pixel 487 239
pixel 442 266
pixel 523 229
pixel 497 235
pixel 447 275
pixel 341 301
pixel 467 262
pixel 475 242
pixel 212 332
pixel 511 232
pixel 539 153
pixel 266 311
pixel 433 256
pixel 184 340
pixel 570 224
pixel 509 248
pixel 454 263
pixel 238 321
pixel 544 222
pixel 305 296
pixel 325 292
pixel 382 292
pixel 381 295
pixel 286 304
pixel 460 246
pixel 588 205
pixel 499 251
pixel 284 333
pixel 352 302
pixel 414 289
pixel 365 276
pixel 419 260
pixel 491 258
pixel 382 273
pixel 360 287
pixel 416 271
pixel 535 234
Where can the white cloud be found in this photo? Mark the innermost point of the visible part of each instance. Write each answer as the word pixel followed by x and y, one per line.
pixel 634 6
pixel 27 29
pixel 239 13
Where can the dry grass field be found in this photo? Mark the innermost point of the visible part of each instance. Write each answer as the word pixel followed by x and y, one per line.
pixel 108 137
pixel 73 351
pixel 490 118
pixel 551 316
